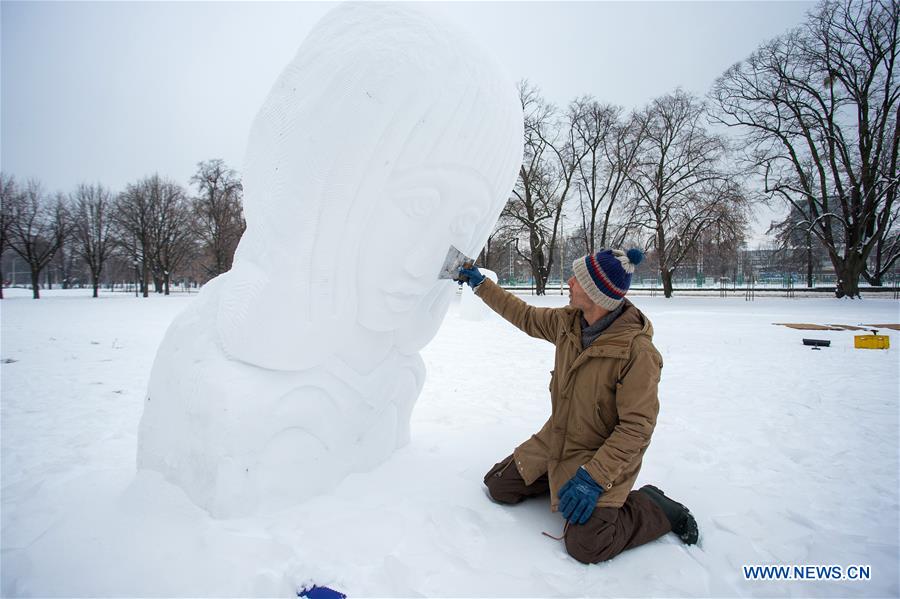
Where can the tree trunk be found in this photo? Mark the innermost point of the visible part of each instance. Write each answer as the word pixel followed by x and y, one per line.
pixel 848 273
pixel 95 280
pixel 1 281
pixel 35 283
pixel 666 276
pixel 221 260
pixel 809 266
pixel 665 273
pixel 537 263
pixel 145 282
pixel 590 249
pixel 875 281
pixel 166 285
pixel 536 275
pixel 809 280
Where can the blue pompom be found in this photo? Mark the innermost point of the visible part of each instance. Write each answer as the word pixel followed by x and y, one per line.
pixel 635 256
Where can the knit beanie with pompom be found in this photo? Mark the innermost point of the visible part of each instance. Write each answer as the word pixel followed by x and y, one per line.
pixel 606 275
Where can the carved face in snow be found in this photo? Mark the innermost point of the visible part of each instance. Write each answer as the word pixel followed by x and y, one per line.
pixel 423 212
pixel 388 138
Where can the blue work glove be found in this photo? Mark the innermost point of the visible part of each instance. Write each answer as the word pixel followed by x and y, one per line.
pixel 578 497
pixel 475 278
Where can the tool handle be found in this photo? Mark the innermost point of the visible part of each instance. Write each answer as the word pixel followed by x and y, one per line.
pixel 465 278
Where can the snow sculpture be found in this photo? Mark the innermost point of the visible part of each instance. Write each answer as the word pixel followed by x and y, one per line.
pixel 470 305
pixel 390 136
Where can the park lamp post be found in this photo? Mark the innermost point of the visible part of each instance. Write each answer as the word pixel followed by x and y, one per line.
pixel 509 273
pixel 562 253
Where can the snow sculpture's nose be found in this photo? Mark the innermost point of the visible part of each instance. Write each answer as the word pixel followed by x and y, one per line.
pixel 418 263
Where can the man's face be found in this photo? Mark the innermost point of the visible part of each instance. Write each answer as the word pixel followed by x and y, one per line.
pixel 577 297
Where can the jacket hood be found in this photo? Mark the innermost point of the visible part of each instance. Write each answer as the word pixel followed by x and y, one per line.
pixel 618 338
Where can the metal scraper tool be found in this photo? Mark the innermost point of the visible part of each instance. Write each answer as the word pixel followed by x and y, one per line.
pixel 452 263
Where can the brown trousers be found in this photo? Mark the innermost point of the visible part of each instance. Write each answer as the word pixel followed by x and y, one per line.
pixel 607 533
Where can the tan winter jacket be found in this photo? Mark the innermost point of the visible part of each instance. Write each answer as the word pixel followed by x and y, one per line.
pixel 603 399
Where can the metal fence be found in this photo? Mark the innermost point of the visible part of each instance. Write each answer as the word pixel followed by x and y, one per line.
pixel 748 288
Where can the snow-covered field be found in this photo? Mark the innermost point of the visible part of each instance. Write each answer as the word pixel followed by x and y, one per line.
pixel 785 455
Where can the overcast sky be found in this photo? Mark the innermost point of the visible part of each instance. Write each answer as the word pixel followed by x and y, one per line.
pixel 114 91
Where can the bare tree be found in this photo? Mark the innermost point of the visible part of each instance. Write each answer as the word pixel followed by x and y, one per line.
pixel 887 242
pixel 797 244
pixel 678 185
pixel 92 228
pixel 723 238
pixel 819 107
pixel 593 124
pixel 496 241
pixel 170 230
pixel 9 193
pixel 609 144
pixel 133 214
pixel 545 179
pixel 65 266
pixel 219 216
pixel 37 230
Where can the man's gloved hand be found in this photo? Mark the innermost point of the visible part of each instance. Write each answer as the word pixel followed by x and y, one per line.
pixel 475 278
pixel 578 497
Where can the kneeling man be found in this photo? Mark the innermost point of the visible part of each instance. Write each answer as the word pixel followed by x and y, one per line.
pixel 603 395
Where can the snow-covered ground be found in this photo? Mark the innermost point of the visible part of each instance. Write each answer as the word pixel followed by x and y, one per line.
pixel 785 455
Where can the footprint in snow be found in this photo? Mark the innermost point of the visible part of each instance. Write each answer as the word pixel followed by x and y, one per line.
pixel 461 531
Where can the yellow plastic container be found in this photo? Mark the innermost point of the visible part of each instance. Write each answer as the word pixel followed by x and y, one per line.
pixel 871 341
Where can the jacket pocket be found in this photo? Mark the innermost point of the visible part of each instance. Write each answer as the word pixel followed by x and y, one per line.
pixel 607 414
pixel 604 427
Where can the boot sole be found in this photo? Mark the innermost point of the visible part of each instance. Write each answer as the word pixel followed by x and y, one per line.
pixel 691 533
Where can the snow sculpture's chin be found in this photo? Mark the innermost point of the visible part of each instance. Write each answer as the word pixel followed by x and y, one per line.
pixel 389 137
pixel 261 321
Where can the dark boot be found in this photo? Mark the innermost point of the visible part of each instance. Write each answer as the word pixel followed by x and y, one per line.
pixel 683 523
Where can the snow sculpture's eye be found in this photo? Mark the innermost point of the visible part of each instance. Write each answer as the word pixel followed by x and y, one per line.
pixel 418 203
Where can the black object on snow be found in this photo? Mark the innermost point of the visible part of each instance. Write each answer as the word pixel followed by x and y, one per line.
pixel 817 343
pixel 684 525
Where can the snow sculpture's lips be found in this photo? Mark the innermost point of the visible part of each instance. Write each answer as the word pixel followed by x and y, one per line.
pixel 389 137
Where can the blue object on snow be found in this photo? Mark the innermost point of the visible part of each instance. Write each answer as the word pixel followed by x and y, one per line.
pixel 317 592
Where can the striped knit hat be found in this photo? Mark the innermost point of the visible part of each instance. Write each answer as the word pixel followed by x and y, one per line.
pixel 606 275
